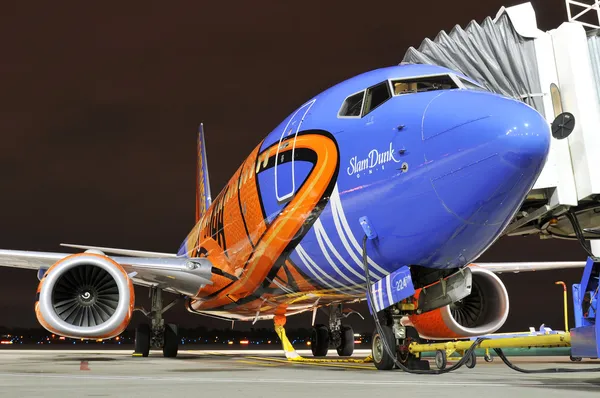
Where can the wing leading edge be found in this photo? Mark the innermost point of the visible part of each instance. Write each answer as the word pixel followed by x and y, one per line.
pixel 180 275
pixel 531 266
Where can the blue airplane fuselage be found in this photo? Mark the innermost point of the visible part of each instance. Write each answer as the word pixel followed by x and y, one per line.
pixel 439 175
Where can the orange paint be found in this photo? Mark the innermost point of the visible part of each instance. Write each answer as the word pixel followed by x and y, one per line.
pixel 250 252
pixel 432 325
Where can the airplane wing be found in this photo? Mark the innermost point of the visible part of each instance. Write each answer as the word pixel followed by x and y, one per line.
pixel 180 275
pixel 531 266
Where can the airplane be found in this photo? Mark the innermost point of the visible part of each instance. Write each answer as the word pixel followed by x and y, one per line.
pixel 420 165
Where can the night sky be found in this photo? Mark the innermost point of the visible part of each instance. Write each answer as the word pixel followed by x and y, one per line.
pixel 100 106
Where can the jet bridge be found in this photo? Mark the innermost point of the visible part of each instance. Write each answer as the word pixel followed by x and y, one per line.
pixel 556 72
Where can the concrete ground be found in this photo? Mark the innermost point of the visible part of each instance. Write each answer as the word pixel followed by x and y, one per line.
pixel 247 373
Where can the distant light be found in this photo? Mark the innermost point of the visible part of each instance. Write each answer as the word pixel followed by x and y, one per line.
pixel 6 342
pixel 308 343
pixel 269 342
pixel 61 338
pixel 244 342
pixel 357 341
pixel 230 342
pixel 356 334
pixel 117 338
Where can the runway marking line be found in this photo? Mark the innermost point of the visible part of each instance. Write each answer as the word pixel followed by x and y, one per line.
pixel 378 382
pixel 256 363
pixel 333 365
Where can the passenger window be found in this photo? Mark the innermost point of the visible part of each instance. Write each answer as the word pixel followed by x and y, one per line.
pixel 376 96
pixel 423 84
pixel 352 105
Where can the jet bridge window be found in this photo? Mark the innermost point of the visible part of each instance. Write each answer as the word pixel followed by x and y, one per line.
pixel 352 105
pixel 423 84
pixel 376 96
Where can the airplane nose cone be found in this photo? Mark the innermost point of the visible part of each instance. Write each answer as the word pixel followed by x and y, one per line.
pixel 468 119
pixel 485 152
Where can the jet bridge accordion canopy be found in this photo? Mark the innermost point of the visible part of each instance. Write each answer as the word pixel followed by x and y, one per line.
pixel 493 53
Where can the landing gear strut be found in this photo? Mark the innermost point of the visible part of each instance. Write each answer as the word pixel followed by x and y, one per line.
pixel 398 339
pixel 337 335
pixel 157 335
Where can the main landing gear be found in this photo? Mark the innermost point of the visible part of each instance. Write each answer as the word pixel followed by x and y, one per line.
pixel 157 334
pixel 337 335
pixel 397 338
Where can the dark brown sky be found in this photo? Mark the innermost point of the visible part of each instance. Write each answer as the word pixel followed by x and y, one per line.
pixel 99 107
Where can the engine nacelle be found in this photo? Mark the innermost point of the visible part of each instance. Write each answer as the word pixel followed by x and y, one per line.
pixel 482 312
pixel 85 296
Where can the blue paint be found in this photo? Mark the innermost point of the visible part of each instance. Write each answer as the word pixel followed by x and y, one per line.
pixel 392 289
pixel 585 337
pixel 368 228
pixel 439 190
pixel 472 158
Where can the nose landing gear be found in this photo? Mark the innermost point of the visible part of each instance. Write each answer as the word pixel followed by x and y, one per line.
pixel 398 339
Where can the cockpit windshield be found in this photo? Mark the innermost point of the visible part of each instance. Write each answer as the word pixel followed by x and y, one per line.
pixel 422 84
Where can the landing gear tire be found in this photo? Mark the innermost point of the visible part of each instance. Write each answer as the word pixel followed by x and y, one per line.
pixel 405 357
pixel 319 341
pixel 171 341
pixel 142 339
pixel 441 360
pixel 575 359
pixel 488 358
pixel 471 361
pixel 346 347
pixel 381 358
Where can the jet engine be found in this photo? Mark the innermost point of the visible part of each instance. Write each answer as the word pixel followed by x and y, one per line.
pixel 85 296
pixel 483 311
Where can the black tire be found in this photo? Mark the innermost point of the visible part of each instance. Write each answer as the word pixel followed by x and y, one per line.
pixel 346 348
pixel 575 359
pixel 488 358
pixel 404 356
pixel 471 361
pixel 171 341
pixel 142 339
pixel 319 341
pixel 441 359
pixel 381 358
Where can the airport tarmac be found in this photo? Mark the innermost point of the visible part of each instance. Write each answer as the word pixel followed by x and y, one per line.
pixel 249 373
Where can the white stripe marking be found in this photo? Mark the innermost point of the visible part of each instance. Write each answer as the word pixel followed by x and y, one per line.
pixel 335 198
pixel 300 249
pixel 337 221
pixel 388 283
pixel 296 380
pixel 380 288
pixel 320 230
pixel 312 271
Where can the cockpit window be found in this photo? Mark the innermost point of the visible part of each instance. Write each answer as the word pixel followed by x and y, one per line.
pixel 376 96
pixel 422 84
pixel 352 105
